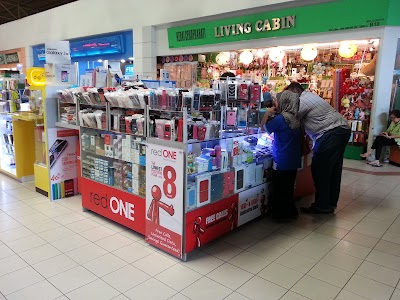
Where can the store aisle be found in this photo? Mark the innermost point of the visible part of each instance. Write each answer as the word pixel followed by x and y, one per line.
pixel 56 251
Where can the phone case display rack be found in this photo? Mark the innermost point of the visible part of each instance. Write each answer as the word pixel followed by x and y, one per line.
pixel 197 172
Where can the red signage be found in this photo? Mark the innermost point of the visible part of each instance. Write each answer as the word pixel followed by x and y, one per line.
pixel 119 206
pixel 210 222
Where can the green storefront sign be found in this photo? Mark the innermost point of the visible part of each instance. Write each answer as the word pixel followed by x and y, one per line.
pixel 324 17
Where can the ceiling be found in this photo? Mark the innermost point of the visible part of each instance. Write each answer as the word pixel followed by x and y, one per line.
pixel 11 10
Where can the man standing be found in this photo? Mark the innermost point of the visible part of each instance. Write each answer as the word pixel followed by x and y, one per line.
pixel 330 134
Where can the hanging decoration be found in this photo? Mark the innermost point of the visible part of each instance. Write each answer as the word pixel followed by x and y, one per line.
pixel 276 54
pixel 347 49
pixel 260 53
pixel 309 52
pixel 318 69
pixel 246 57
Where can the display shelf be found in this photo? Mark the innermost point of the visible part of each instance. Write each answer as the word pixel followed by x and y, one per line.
pixel 68 126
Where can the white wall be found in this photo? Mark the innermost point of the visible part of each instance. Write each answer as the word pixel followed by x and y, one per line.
pixel 90 17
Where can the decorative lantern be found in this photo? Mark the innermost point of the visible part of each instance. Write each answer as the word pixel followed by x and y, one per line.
pixel 246 57
pixel 309 52
pixel 223 58
pixel 276 54
pixel 260 53
pixel 347 49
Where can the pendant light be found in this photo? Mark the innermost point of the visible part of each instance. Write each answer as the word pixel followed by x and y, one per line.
pixel 246 57
pixel 276 54
pixel 347 49
pixel 309 52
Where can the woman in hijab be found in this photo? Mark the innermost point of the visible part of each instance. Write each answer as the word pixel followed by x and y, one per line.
pixel 286 153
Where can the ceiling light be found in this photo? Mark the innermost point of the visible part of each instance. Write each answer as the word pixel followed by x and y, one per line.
pixel 123 60
pixel 347 49
pixel 131 58
pixel 100 60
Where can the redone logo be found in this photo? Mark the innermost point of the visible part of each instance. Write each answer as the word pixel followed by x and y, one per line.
pixel 117 206
pixel 164 153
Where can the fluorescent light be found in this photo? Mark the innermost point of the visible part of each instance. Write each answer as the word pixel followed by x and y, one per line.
pixel 100 60
pixel 123 60
pixel 131 58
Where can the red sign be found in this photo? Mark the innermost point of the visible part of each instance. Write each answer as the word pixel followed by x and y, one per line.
pixel 121 207
pixel 68 132
pixel 210 222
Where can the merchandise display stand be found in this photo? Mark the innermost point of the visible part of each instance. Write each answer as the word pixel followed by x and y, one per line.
pixel 183 168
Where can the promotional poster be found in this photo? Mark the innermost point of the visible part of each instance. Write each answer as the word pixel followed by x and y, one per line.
pixel 63 162
pixel 252 203
pixel 164 195
pixel 210 222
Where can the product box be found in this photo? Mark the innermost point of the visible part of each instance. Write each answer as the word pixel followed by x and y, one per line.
pixel 191 196
pixel 217 187
pixel 203 189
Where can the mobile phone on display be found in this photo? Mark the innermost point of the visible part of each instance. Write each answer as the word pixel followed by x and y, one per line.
pixel 64 76
pixel 55 151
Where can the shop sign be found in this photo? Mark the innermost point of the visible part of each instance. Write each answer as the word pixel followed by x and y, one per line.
pixel 36 76
pixel 119 206
pixel 252 203
pixel 129 70
pixel 12 58
pixel 209 222
pixel 63 162
pixel 286 22
pixel 164 198
pixel 57 52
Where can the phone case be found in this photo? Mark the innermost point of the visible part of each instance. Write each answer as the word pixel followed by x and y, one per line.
pixel 231 117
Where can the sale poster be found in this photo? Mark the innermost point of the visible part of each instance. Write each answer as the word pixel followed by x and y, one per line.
pixel 210 222
pixel 252 203
pixel 164 198
pixel 122 207
pixel 63 162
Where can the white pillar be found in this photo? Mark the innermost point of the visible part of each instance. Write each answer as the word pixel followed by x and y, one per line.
pixel 383 82
pixel 144 50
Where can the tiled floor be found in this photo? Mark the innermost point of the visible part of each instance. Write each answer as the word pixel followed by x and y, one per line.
pixel 56 251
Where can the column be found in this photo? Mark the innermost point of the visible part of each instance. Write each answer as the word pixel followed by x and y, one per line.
pixel 144 49
pixel 383 82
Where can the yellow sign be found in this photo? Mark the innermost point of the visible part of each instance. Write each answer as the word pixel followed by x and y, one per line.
pixel 36 76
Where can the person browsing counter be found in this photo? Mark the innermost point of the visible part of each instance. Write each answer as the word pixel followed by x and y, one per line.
pixel 286 154
pixel 391 137
pixel 330 134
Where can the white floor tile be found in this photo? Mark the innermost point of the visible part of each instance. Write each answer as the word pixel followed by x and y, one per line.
pixel 69 218
pixel 368 288
pixel 86 253
pixel 296 261
pixel 332 231
pixel 281 240
pixel 230 276
pixel 343 261
pixel 294 231
pixel 178 277
pixel 27 243
pixel 126 278
pixel 311 250
pixel 39 254
pixel 105 265
pixel 384 259
pixel 352 249
pixel 55 265
pixel 8 224
pixel 239 240
pixel 43 226
pixel 315 289
pixel 72 279
pixel 82 225
pixel 205 288
pixel 222 250
pixel 281 275
pixel 97 233
pixel 293 296
pixel 361 239
pixel 55 234
pixel 33 218
pixel 17 280
pixel 203 263
pixel 15 234
pixel 70 243
pixel 236 296
pixel 133 252
pixel 11 264
pixel 345 295
pixel 114 242
pixel 42 290
pixel 259 289
pixel 396 295
pixel 379 273
pixel 388 247
pixel 5 251
pixel 267 250
pixel 155 263
pixel 330 274
pixel 249 262
pixel 151 289
pixel 97 289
